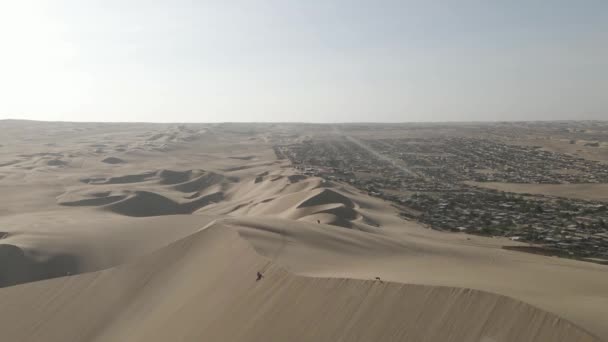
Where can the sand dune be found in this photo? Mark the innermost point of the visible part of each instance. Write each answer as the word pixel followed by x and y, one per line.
pixel 95 201
pixel 152 198
pixel 143 203
pixel 161 176
pixel 103 240
pixel 121 179
pixel 200 183
pixel 112 160
pixel 290 196
pixel 326 196
pixel 155 232
pixel 16 267
pixel 8 163
pixel 56 162
pixel 203 286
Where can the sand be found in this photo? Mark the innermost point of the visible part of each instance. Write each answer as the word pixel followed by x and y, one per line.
pixel 154 232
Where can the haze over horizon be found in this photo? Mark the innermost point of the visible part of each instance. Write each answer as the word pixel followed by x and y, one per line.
pixel 313 61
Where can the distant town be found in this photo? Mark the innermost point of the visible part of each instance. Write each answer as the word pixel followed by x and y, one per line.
pixel 435 182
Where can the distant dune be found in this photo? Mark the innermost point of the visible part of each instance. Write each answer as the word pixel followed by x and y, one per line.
pixel 112 160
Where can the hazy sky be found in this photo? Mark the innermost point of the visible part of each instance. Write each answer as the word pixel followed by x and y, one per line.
pixel 320 61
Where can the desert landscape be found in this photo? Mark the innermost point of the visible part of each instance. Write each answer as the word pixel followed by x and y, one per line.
pixel 303 232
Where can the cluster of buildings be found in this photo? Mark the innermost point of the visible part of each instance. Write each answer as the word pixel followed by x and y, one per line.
pixel 573 227
pixel 425 179
pixel 462 158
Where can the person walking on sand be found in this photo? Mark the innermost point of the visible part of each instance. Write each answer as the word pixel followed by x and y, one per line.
pixel 260 276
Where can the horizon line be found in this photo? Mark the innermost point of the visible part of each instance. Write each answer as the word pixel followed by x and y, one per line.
pixel 314 122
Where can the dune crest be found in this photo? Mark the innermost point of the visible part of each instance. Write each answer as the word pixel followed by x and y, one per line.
pixel 152 193
pixel 211 278
pixel 326 196
pixel 293 196
pixel 144 203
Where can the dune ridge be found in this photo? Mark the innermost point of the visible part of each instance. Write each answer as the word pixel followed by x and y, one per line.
pixel 144 203
pixel 117 194
pixel 292 196
pixel 210 280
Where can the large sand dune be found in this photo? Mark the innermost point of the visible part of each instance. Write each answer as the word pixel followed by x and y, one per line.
pixel 156 232
pixel 204 288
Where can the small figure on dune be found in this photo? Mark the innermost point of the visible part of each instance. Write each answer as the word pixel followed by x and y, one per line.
pixel 378 279
pixel 260 276
pixel 319 221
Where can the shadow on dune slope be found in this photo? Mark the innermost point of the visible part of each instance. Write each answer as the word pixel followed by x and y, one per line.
pixel 17 266
pixel 153 193
pixel 326 196
pixel 143 203
pixel 163 176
